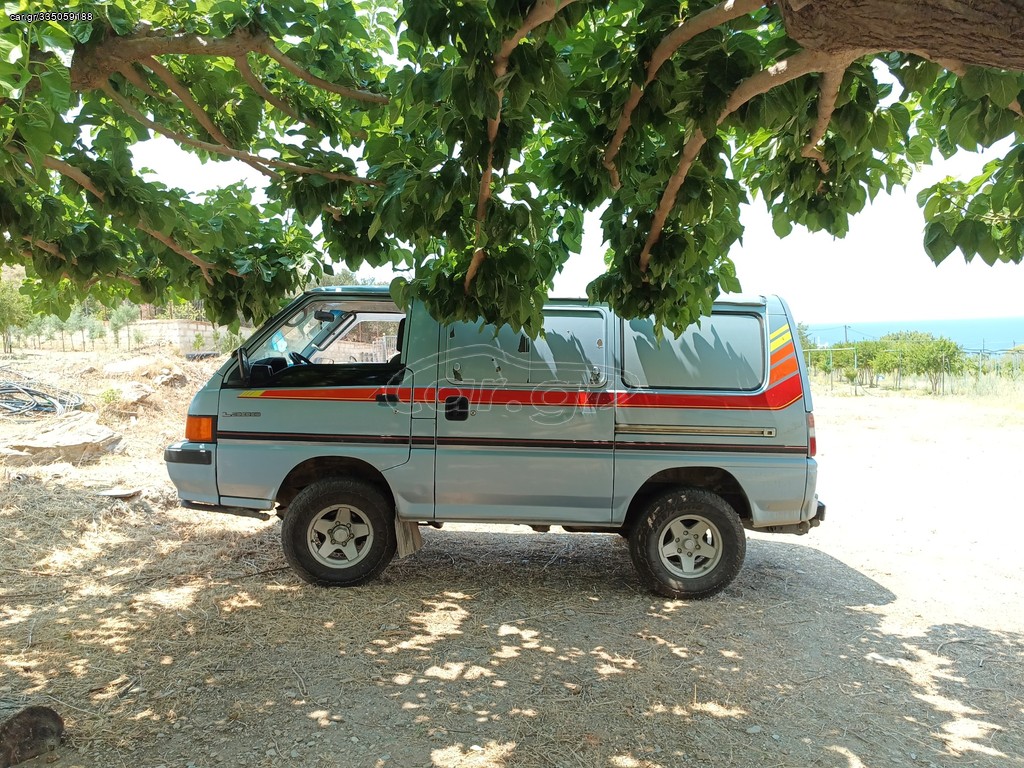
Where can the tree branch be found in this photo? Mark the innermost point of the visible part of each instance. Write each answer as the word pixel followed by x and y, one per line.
pixel 242 63
pixel 725 11
pixel 133 77
pixel 50 248
pixel 183 93
pixel 77 175
pixel 831 81
pixel 82 179
pixel 275 53
pixel 782 72
pixel 185 96
pixel 542 12
pixel 93 65
pixel 228 151
pixel 128 73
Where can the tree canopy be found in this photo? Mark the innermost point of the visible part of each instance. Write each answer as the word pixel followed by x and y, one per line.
pixel 463 141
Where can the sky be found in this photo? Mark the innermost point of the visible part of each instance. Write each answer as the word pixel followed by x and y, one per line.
pixel 878 272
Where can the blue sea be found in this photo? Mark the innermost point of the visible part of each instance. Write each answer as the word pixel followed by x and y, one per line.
pixel 992 335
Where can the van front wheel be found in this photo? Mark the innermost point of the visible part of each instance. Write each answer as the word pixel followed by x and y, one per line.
pixel 338 533
pixel 688 543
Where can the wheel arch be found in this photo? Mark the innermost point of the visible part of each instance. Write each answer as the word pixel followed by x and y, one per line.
pixel 714 479
pixel 320 467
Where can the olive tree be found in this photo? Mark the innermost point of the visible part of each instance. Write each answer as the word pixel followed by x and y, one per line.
pixel 15 312
pixel 462 142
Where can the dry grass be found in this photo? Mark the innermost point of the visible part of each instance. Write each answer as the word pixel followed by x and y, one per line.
pixel 166 637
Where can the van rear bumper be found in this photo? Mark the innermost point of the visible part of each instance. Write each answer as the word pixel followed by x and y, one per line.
pixel 798 528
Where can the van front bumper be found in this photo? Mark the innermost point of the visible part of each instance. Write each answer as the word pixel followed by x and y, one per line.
pixel 192 469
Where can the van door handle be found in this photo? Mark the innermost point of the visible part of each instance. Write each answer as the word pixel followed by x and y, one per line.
pixel 387 397
pixel 456 408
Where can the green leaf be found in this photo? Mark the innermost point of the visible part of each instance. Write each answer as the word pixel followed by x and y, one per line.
pixel 901 117
pixel 968 234
pixel 920 150
pixel 989 249
pixel 1004 87
pixel 937 242
pixel 782 224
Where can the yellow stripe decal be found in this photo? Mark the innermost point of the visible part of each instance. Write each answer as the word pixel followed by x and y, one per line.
pixel 776 343
pixel 252 393
pixel 779 331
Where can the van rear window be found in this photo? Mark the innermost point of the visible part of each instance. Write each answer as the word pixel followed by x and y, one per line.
pixel 726 352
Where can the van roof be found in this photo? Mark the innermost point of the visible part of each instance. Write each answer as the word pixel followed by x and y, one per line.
pixel 728 300
pixel 352 290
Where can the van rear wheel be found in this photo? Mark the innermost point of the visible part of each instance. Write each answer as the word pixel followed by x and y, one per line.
pixel 338 533
pixel 688 543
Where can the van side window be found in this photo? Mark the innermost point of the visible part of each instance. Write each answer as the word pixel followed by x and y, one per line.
pixel 726 352
pixel 474 355
pixel 572 351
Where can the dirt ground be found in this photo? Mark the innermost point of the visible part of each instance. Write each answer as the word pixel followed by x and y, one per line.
pixel 893 635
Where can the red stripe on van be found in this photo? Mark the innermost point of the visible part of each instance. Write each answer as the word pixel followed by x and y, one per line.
pixel 781 394
pixel 778 397
pixel 345 394
pixel 538 397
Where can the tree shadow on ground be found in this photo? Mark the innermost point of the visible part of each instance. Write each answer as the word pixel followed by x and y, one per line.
pixel 166 638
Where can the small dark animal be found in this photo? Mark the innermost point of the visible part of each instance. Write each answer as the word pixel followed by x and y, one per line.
pixel 33 731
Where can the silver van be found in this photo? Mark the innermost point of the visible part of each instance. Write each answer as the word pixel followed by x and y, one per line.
pixel 359 421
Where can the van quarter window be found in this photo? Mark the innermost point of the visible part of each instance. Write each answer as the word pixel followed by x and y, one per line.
pixel 726 352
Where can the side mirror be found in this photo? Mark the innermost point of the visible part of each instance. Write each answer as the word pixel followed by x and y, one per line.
pixel 244 369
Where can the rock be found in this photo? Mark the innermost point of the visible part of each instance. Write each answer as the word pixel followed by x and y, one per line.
pixel 120 493
pixel 134 392
pixel 170 378
pixel 128 366
pixel 754 729
pixel 31 732
pixel 74 437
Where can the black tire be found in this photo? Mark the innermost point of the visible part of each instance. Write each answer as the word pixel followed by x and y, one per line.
pixel 339 533
pixel 688 543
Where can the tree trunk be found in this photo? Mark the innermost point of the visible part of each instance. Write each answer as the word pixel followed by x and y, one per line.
pixel 986 33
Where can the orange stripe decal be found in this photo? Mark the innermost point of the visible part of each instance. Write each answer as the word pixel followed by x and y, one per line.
pixel 781 353
pixel 786 368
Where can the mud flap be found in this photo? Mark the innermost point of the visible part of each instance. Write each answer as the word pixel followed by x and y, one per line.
pixel 409 538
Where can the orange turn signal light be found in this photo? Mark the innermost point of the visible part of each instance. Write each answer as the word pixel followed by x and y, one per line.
pixel 200 429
